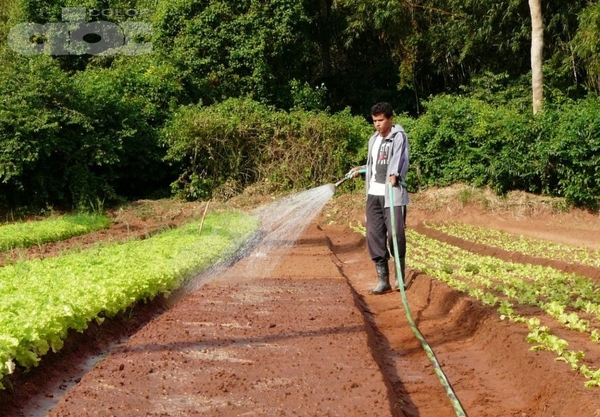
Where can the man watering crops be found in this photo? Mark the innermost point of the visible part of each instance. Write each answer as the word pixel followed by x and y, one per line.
pixel 387 162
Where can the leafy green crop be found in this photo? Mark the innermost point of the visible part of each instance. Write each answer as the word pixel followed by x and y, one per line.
pixel 572 301
pixel 532 247
pixel 40 300
pixel 25 234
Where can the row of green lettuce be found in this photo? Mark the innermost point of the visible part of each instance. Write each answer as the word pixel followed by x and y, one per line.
pixel 547 301
pixel 520 244
pixel 41 300
pixel 52 229
pixel 561 310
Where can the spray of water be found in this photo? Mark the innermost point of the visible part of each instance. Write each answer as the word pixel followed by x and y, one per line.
pixel 281 224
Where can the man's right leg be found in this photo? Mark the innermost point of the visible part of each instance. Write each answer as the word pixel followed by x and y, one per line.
pixel 377 242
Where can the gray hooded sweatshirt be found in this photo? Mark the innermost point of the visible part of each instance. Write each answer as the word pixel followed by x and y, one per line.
pixel 398 165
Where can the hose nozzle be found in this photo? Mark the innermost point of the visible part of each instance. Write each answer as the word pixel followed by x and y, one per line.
pixel 340 182
pixel 351 174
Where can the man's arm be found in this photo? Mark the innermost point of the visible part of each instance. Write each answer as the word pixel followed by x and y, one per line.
pixel 399 162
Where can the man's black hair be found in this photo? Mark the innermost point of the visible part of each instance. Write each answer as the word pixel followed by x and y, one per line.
pixel 382 108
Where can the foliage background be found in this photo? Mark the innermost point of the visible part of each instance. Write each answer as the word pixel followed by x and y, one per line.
pixel 276 94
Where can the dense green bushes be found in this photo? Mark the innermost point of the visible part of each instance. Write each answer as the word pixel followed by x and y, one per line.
pixel 570 147
pixel 81 129
pixel 99 134
pixel 503 146
pixel 462 139
pixel 72 140
pixel 241 142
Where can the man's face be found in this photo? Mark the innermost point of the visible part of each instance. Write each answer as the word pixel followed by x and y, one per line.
pixel 382 124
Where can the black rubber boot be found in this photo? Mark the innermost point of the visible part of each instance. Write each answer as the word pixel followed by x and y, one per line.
pixel 402 273
pixel 383 278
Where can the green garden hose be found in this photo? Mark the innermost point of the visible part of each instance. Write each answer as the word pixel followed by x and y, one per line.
pixel 436 366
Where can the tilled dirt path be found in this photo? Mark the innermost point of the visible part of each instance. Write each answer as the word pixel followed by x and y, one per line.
pixel 488 362
pixel 293 343
pixel 306 338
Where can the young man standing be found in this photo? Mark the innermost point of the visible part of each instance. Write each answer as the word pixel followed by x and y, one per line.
pixel 387 162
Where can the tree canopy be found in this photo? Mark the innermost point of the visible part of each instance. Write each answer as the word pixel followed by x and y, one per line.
pixel 78 127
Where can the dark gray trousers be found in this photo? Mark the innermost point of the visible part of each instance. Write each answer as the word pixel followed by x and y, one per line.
pixel 379 230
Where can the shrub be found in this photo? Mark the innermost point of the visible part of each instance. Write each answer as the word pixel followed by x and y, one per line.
pixel 471 140
pixel 570 145
pixel 245 141
pixel 462 139
pixel 69 140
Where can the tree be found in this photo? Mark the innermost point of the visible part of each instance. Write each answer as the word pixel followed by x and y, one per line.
pixel 537 46
pixel 585 45
pixel 233 49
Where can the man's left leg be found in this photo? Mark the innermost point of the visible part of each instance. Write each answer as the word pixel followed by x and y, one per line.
pixel 399 219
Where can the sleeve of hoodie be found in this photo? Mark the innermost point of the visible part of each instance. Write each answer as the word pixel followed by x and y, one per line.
pixel 399 161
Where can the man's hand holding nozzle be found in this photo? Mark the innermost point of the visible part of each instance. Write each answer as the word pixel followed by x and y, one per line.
pixel 353 173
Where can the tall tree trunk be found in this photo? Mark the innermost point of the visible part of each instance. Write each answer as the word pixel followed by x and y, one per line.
pixel 537 46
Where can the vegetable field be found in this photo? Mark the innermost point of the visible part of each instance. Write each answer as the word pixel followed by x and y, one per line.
pixel 42 300
pixel 53 229
pixel 509 304
pixel 548 301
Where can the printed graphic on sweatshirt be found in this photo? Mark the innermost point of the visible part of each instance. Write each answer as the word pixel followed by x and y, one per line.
pixel 383 160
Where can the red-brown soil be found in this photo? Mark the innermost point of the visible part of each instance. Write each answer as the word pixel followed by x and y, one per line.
pixel 308 339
